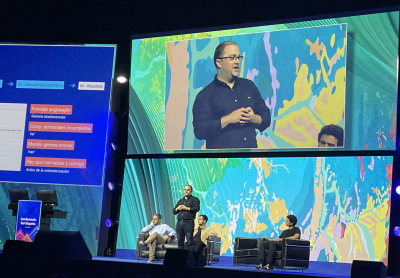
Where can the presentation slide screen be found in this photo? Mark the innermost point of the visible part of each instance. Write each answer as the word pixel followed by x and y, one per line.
pixel 54 106
pixel 342 204
pixel 328 83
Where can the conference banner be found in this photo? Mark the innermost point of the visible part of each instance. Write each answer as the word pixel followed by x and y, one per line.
pixel 28 220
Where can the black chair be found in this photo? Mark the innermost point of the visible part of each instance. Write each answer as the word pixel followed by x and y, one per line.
pixel 212 251
pixel 295 253
pixel 172 243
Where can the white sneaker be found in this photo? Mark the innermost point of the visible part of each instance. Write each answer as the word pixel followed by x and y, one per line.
pixel 259 267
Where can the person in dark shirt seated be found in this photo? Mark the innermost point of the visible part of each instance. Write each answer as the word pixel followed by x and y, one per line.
pixel 186 209
pixel 202 233
pixel 276 244
pixel 227 112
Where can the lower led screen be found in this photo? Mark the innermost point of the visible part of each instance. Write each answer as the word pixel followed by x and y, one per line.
pixel 342 203
pixel 339 71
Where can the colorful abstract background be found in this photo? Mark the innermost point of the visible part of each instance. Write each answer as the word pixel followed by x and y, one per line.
pixel 371 85
pixel 299 72
pixel 342 203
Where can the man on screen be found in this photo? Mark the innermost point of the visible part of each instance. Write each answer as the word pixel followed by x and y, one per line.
pixel 159 233
pixel 227 111
pixel 276 244
pixel 186 209
pixel 331 136
pixel 202 233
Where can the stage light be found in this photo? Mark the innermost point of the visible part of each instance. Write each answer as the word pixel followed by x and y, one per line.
pixel 398 189
pixel 396 231
pixel 111 186
pixel 111 222
pixel 114 185
pixel 114 146
pixel 117 146
pixel 122 79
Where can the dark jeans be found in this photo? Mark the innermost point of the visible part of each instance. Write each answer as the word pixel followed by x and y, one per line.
pixel 185 229
pixel 199 244
pixel 272 246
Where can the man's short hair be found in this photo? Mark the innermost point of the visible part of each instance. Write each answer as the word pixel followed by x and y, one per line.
pixel 220 50
pixel 158 215
pixel 191 187
pixel 204 217
pixel 334 130
pixel 292 219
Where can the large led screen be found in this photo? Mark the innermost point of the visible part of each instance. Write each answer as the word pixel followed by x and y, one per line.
pixel 54 109
pixel 342 203
pixel 322 83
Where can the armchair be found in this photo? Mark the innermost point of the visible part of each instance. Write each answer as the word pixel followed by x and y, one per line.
pixel 295 253
pixel 172 243
pixel 212 251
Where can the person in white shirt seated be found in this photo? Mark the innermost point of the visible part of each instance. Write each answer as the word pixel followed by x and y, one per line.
pixel 158 234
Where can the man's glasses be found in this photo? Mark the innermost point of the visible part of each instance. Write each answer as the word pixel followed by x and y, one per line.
pixel 232 58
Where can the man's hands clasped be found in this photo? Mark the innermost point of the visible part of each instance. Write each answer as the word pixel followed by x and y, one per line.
pixel 182 207
pixel 244 116
pixel 272 239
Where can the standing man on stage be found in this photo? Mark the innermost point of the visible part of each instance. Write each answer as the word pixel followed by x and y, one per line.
pixel 159 233
pixel 202 233
pixel 186 208
pixel 227 112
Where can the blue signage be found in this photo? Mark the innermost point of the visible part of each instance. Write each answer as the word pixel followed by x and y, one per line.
pixel 28 220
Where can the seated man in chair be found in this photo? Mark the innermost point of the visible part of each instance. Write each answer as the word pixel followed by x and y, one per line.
pixel 275 244
pixel 159 233
pixel 200 235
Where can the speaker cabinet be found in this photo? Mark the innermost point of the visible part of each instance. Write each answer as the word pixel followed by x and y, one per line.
pixel 17 248
pixel 368 269
pixel 62 245
pixel 178 257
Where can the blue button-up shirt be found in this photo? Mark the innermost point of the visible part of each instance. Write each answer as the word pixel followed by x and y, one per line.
pixel 161 229
pixel 217 100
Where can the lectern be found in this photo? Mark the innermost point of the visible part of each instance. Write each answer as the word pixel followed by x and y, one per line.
pixel 15 196
pixel 49 201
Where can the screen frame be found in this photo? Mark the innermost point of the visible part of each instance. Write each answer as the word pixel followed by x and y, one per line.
pixel 254 152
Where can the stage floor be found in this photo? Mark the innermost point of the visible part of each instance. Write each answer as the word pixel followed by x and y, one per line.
pixel 320 269
pixel 51 266
pixel 232 271
pixel 316 269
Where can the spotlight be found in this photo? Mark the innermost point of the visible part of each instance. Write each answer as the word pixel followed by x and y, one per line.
pixel 122 79
pixel 111 222
pixel 117 146
pixel 398 189
pixel 114 146
pixel 396 230
pixel 114 185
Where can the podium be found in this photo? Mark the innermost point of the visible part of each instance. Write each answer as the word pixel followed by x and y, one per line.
pixel 49 201
pixel 48 212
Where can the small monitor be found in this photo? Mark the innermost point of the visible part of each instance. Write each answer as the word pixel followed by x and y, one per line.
pixel 18 194
pixel 48 197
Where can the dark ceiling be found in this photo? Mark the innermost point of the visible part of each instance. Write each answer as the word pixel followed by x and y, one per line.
pixel 91 21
